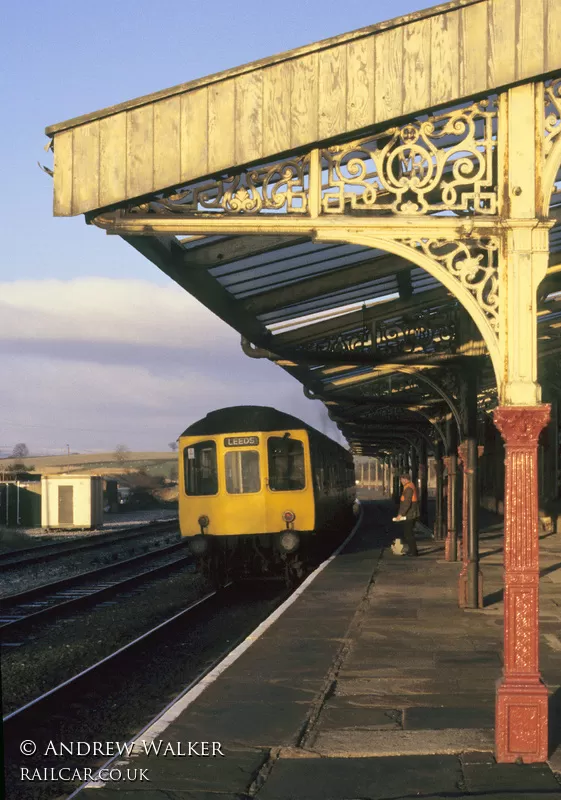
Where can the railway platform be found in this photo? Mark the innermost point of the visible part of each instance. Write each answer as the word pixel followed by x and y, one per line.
pixel 372 684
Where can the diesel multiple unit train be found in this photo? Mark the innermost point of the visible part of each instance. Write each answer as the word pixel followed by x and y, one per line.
pixel 261 492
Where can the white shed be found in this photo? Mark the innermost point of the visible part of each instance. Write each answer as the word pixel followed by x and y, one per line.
pixel 72 501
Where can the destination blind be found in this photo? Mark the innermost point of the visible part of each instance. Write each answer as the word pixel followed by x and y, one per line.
pixel 241 441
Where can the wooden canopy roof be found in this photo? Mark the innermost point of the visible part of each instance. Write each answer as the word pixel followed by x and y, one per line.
pixel 329 89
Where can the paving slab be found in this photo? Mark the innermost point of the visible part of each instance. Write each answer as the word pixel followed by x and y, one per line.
pixel 434 699
pixel 199 778
pixel 480 658
pixel 365 778
pixel 258 725
pixel 509 778
pixel 364 743
pixel 478 757
pixel 233 773
pixel 112 793
pixel 355 716
pixel 445 718
pixel 394 686
pixel 380 657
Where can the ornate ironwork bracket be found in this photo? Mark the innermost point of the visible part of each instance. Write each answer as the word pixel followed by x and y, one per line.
pixel 445 162
pixel 473 262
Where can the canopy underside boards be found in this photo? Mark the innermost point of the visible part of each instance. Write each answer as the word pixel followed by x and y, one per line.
pixel 319 93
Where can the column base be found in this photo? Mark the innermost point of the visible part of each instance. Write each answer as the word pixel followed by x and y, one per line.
pixel 450 548
pixel 437 533
pixel 521 722
pixel 463 588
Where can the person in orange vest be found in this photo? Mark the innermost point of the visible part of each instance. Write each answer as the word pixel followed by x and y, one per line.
pixel 408 513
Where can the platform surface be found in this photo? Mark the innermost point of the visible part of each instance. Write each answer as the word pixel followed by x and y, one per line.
pixel 373 685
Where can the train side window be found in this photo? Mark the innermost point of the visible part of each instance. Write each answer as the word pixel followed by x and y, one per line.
pixel 201 473
pixel 242 471
pixel 286 464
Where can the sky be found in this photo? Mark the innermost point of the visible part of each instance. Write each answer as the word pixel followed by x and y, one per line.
pixel 97 347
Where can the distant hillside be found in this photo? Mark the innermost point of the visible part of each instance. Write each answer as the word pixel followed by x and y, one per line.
pixel 104 463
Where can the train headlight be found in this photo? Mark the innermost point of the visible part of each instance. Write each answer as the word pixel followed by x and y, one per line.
pixel 288 517
pixel 289 542
pixel 203 521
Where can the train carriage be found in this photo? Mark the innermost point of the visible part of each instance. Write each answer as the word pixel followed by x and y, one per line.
pixel 261 491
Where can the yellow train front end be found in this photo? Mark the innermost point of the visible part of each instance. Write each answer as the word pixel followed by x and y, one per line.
pixel 246 498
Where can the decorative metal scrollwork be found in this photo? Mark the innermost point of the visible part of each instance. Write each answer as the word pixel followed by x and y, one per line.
pixel 344 342
pixel 449 383
pixel 474 263
pixel 424 332
pixel 487 401
pixel 396 384
pixel 443 163
pixel 552 121
pixel 280 187
pixel 389 414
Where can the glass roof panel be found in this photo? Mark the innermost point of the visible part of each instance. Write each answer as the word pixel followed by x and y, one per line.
pixel 282 273
pixel 380 288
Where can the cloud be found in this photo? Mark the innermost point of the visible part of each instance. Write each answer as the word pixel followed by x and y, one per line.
pixel 96 361
pixel 105 310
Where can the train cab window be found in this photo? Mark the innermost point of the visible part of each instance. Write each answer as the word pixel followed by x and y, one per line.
pixel 286 464
pixel 201 473
pixel 242 471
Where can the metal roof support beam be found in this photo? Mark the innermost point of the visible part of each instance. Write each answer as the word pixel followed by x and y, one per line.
pixel 353 358
pixel 391 440
pixel 419 375
pixel 357 406
pixel 330 227
pixel 234 248
pixel 370 427
pixel 405 285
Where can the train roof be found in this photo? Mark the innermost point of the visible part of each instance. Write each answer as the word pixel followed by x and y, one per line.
pixel 238 419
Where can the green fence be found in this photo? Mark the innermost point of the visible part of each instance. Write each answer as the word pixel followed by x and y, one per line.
pixel 20 504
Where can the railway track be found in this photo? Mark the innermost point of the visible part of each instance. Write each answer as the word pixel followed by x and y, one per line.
pixel 110 660
pixel 48 552
pixel 20 611
pixel 118 694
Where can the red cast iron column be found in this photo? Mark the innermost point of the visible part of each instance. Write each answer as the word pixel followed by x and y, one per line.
pixel 462 583
pixel 521 710
pixel 415 467
pixel 423 483
pixel 474 584
pixel 438 531
pixel 451 544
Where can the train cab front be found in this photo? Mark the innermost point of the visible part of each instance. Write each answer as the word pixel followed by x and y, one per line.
pixel 246 500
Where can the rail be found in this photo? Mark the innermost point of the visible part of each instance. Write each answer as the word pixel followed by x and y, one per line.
pixel 48 552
